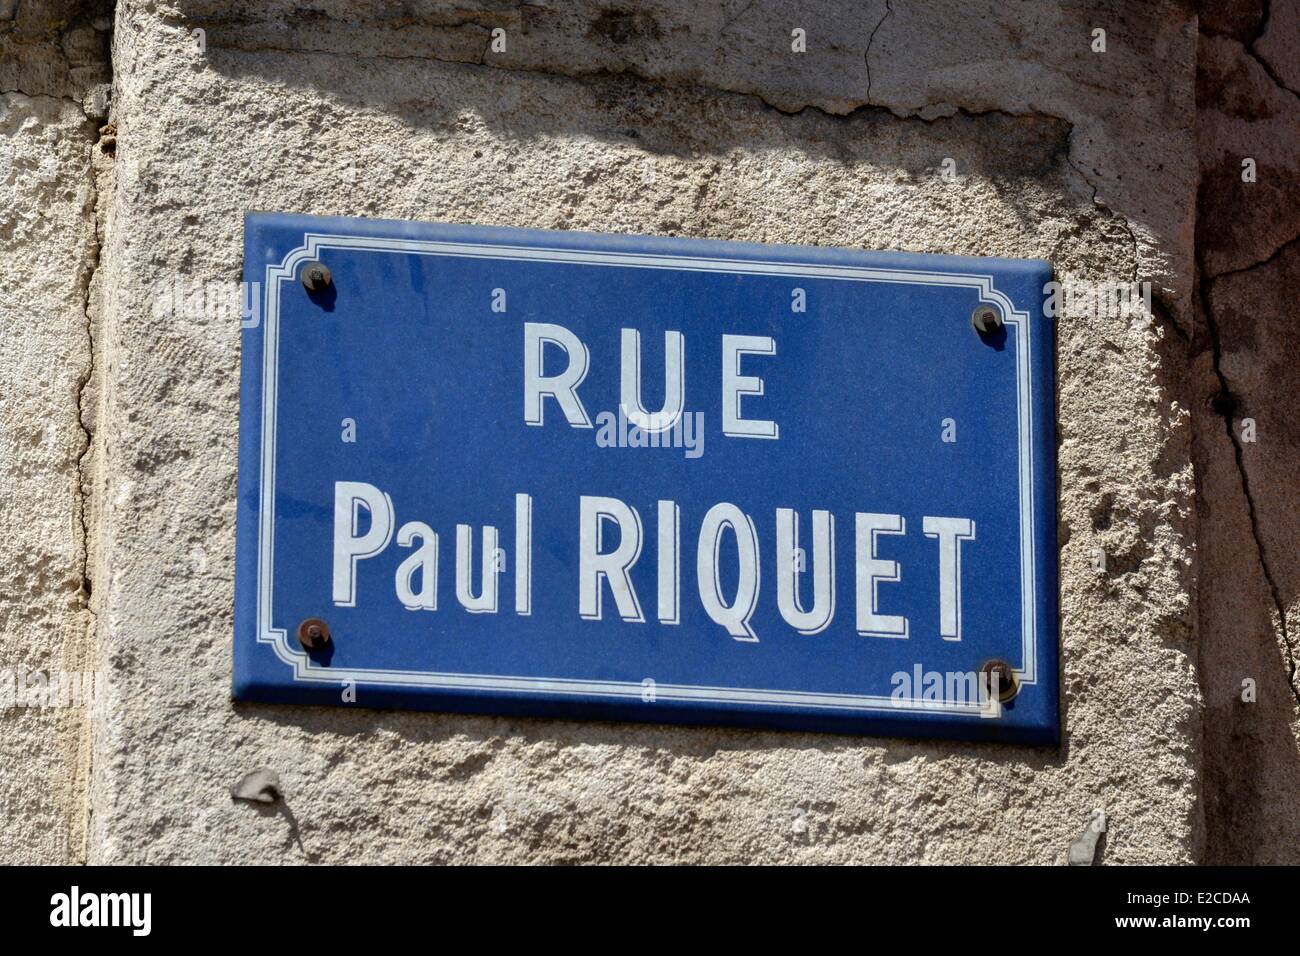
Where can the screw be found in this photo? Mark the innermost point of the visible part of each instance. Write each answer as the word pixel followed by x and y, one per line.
pixel 985 319
pixel 1008 686
pixel 316 277
pixel 313 634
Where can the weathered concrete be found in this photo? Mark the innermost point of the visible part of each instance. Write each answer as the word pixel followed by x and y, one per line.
pixel 47 251
pixel 1277 43
pixel 276 111
pixel 928 59
pixel 117 413
pixel 1247 443
pixel 1244 116
pixel 54 73
pixel 56 48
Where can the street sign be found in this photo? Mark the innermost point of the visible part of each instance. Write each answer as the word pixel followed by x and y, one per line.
pixel 529 472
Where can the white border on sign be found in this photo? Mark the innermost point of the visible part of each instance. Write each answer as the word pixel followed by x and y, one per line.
pixel 305 670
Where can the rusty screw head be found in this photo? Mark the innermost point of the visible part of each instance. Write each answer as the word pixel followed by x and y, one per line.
pixel 1007 684
pixel 316 277
pixel 313 634
pixel 985 320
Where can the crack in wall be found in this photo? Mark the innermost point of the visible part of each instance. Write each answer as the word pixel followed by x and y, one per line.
pixel 866 56
pixel 1267 260
pixel 1255 55
pixel 83 485
pixel 1225 409
pixel 83 383
pixel 1132 236
pixel 1161 310
pixel 78 652
pixel 1226 399
pixel 631 71
pixel 1249 50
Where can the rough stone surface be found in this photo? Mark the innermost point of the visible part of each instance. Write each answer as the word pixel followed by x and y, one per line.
pixel 117 418
pixel 1247 445
pixel 1244 115
pixel 274 111
pixel 47 251
pixel 917 59
pixel 1248 562
pixel 1239 19
pixel 55 47
pixel 1278 46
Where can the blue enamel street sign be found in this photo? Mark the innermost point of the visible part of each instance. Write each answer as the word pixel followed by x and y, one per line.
pixel 526 472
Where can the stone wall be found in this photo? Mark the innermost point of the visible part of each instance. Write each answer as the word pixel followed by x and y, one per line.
pixel 1247 436
pixel 53 91
pixel 660 118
